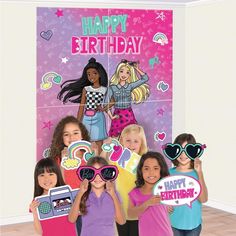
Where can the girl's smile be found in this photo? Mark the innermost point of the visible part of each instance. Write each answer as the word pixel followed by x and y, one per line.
pixel 124 73
pixel 93 75
pixel 151 171
pixel 132 141
pixel 71 133
pixel 47 180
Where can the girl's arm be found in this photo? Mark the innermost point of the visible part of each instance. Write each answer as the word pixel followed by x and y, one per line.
pixel 109 105
pixel 64 153
pixel 136 67
pixel 119 212
pixel 81 106
pixel 203 197
pixel 111 116
pixel 142 80
pixel 37 225
pixel 74 211
pixel 136 211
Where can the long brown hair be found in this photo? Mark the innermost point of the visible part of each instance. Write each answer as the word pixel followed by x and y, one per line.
pixel 57 144
pixel 93 160
pixel 50 166
pixel 161 161
pixel 180 139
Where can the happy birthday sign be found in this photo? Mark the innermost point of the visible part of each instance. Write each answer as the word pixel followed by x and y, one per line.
pixel 105 44
pixel 177 190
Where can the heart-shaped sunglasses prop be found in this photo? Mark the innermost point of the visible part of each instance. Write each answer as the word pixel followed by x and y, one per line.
pixel 173 150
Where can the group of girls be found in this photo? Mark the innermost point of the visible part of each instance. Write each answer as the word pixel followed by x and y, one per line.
pixel 129 201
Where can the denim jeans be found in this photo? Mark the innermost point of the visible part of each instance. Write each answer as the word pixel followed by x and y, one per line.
pixel 192 232
pixel 79 225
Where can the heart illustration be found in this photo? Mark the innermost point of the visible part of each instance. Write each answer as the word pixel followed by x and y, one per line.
pixel 161 136
pixel 88 155
pixel 159 187
pixel 46 35
pixel 194 150
pixel 172 151
pixel 57 79
pixel 162 86
pixel 116 148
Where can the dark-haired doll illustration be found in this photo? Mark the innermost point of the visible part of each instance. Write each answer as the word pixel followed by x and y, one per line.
pixel 128 85
pixel 89 91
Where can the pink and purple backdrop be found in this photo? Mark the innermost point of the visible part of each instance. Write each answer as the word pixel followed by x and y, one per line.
pixel 57 63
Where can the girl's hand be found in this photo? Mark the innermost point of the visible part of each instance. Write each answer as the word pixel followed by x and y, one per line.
pixel 107 141
pixel 100 108
pixel 154 200
pixel 110 188
pixel 94 148
pixel 83 186
pixel 64 152
pixel 34 205
pixel 136 65
pixel 115 117
pixel 170 209
pixel 198 165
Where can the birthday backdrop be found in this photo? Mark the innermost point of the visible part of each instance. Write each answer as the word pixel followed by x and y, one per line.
pixel 67 38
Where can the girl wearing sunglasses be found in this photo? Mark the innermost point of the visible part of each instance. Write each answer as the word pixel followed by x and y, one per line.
pixel 97 201
pixel 185 153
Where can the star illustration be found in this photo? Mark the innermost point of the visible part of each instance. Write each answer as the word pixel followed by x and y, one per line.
pixel 161 16
pixel 47 125
pixel 64 60
pixel 59 12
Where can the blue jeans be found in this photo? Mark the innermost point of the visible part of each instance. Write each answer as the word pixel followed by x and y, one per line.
pixel 79 225
pixel 192 232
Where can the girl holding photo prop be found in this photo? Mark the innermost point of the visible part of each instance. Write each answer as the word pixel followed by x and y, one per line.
pixel 89 91
pixel 153 216
pixel 185 153
pixel 47 175
pixel 97 201
pixel 68 130
pixel 133 138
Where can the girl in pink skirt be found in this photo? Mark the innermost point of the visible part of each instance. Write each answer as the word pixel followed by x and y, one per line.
pixel 127 85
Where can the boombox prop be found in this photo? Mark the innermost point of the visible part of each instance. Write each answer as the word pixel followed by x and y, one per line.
pixel 57 203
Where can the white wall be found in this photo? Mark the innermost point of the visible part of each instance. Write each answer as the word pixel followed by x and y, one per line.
pixel 18 99
pixel 210 94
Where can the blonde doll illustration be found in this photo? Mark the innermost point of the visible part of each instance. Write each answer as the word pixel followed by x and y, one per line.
pixel 127 85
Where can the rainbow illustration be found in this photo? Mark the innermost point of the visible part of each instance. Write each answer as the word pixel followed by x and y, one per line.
pixel 80 145
pixel 72 161
pixel 46 83
pixel 160 38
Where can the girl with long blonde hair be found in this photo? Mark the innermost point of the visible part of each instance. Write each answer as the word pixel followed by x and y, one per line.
pixel 127 85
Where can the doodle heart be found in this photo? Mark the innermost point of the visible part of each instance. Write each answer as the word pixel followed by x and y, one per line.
pixel 159 136
pixel 46 34
pixel 162 86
